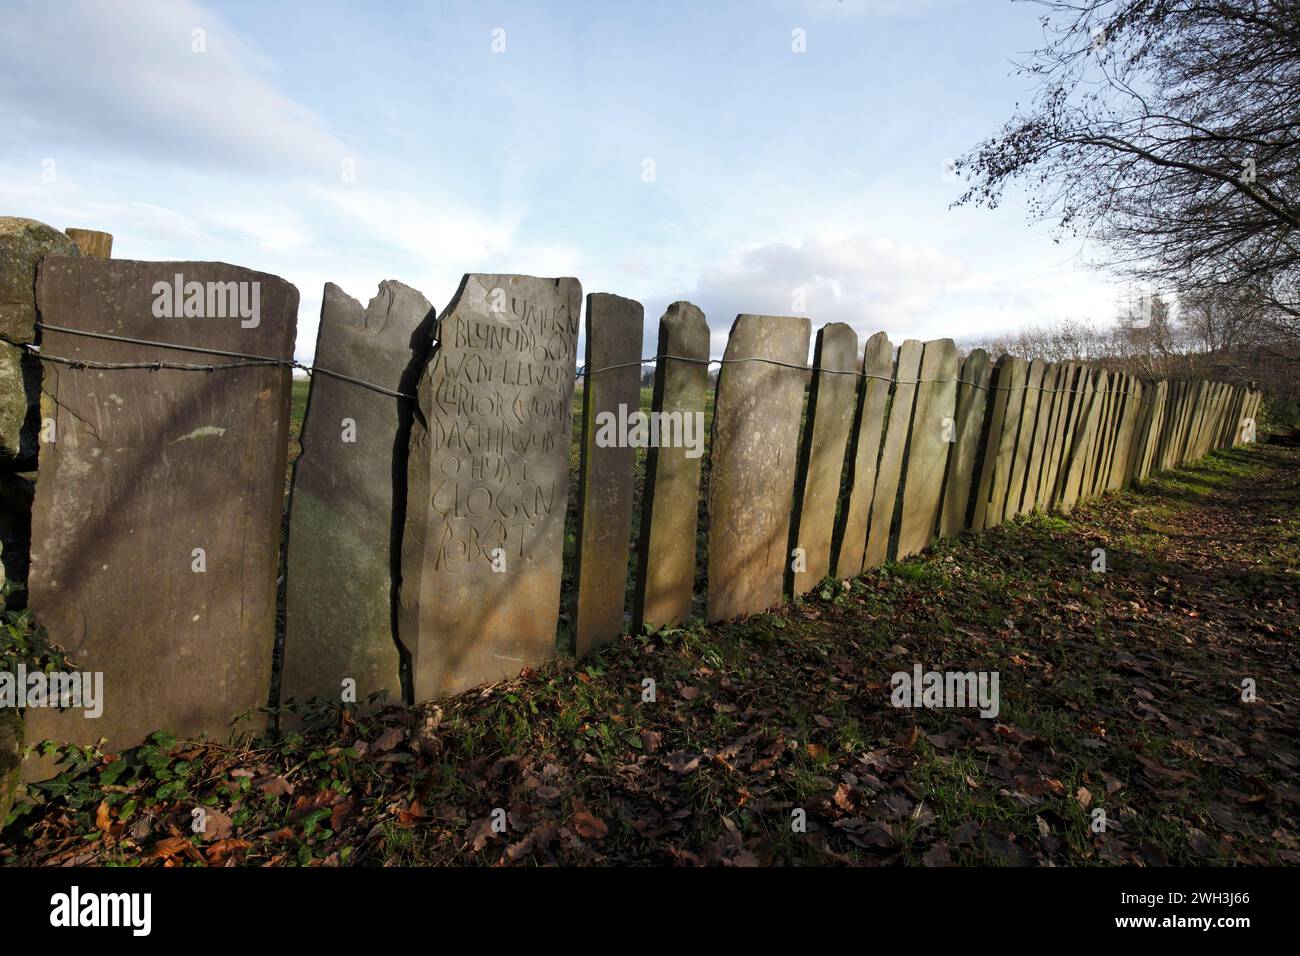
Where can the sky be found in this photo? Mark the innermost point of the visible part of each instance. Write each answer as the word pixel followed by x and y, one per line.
pixel 763 156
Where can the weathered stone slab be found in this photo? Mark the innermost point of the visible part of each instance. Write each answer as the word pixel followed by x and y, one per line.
pixel 1154 428
pixel 934 429
pixel 349 496
pixel 1165 446
pixel 1052 440
pixel 611 396
pixel 1099 438
pixel 1030 401
pixel 992 440
pixel 670 502
pixel 156 525
pixel 1232 416
pixel 1016 373
pixel 1042 438
pixel 1142 438
pixel 1119 401
pixel 1132 399
pixel 1062 444
pixel 889 472
pixel 1137 433
pixel 488 484
pixel 1090 397
pixel 23 243
pixel 972 401
pixel 831 400
pixel 863 454
pixel 753 457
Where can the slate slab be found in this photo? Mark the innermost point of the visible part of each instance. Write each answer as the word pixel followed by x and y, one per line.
pixel 831 400
pixel 884 499
pixel 752 462
pixel 488 484
pixel 349 496
pixel 972 402
pixel 670 502
pixel 1019 474
pixel 157 518
pixel 1091 397
pixel 864 455
pixel 934 431
pixel 1041 440
pixel 611 393
pixel 1009 379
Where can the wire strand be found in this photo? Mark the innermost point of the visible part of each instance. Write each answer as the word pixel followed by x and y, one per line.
pixel 251 360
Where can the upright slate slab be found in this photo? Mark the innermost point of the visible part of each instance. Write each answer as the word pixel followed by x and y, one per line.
pixel 156 526
pixel 1003 446
pixel 611 393
pixel 821 464
pixel 863 455
pixel 972 401
pixel 488 483
pixel 1100 439
pixel 752 462
pixel 889 472
pixel 1154 426
pixel 934 430
pixel 1042 438
pixel 1091 393
pixel 1033 394
pixel 1062 434
pixel 1119 469
pixel 348 501
pixel 670 502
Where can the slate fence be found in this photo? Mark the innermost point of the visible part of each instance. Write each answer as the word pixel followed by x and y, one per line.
pixel 424 549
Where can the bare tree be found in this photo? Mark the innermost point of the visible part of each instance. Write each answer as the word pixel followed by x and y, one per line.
pixel 1169 131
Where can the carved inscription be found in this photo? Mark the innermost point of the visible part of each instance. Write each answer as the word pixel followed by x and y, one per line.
pixel 488 482
pixel 501 401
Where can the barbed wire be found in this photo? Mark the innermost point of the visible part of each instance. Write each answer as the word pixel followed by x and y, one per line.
pixel 584 372
pixel 250 360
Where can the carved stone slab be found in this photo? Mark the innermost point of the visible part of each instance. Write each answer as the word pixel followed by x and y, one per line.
pixel 488 483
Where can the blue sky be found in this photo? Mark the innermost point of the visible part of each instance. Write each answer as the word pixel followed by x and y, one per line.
pixel 660 150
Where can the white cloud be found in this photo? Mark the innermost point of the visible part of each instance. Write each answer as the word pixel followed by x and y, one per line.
pixel 869 283
pixel 124 75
